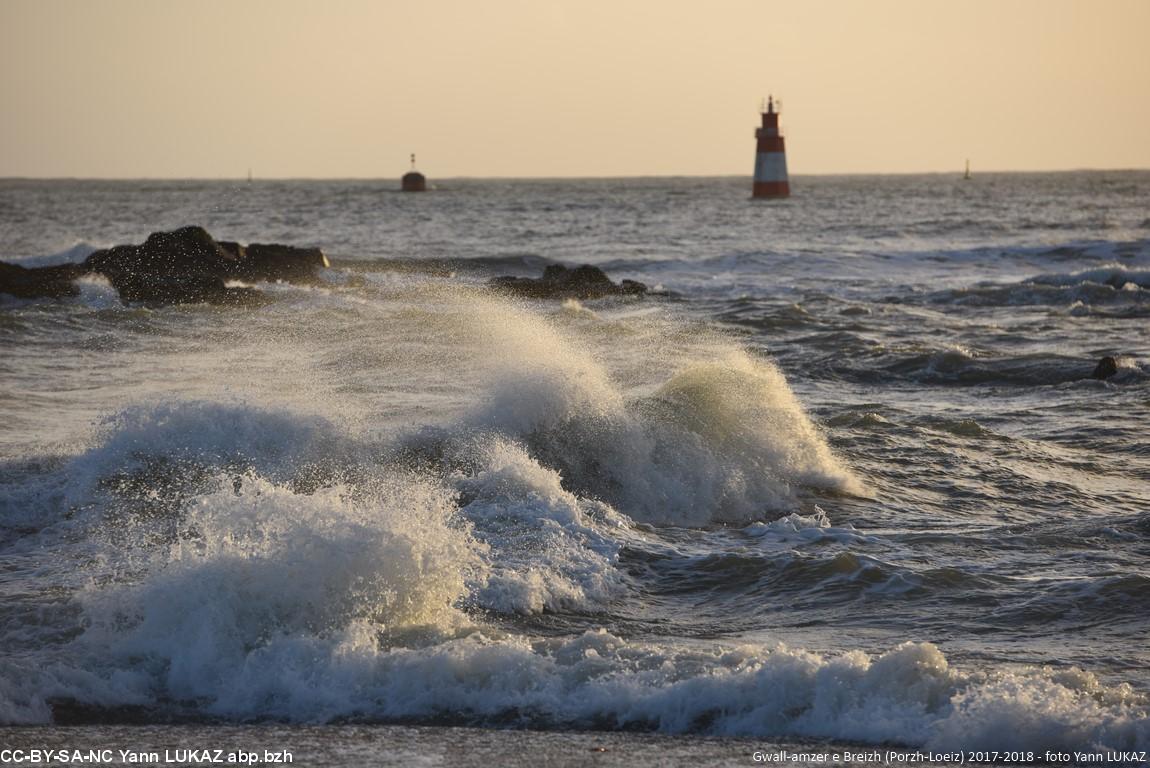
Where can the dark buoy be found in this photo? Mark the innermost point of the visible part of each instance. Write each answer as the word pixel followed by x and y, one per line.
pixel 413 180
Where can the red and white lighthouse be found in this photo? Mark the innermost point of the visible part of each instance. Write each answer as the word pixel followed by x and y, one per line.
pixel 770 157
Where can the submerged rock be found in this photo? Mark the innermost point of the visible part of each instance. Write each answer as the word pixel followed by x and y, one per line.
pixel 560 282
pixel 1106 368
pixel 186 265
pixel 270 262
pixel 39 282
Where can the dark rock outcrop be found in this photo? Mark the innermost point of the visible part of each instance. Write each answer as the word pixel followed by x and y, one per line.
pixel 1106 368
pixel 183 266
pixel 260 262
pixel 186 265
pixel 39 282
pixel 560 282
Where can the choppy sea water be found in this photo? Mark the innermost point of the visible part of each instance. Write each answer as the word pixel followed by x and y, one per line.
pixel 848 480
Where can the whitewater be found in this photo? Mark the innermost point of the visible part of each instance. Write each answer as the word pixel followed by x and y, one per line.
pixel 844 478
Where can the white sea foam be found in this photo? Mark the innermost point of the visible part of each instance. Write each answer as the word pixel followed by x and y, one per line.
pixel 909 695
pixel 211 434
pixel 75 254
pixel 261 582
pixel 1115 275
pixel 97 293
pixel 950 360
pixel 270 602
pixel 804 529
pixel 344 600
pixel 545 547
pixel 256 595
pixel 721 440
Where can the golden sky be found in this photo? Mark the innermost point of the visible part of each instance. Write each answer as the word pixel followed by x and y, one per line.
pixel 348 88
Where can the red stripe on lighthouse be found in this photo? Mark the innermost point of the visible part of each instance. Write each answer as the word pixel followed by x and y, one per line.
pixel 771 144
pixel 772 189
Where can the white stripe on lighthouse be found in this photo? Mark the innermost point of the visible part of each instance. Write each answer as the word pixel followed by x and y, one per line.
pixel 770 166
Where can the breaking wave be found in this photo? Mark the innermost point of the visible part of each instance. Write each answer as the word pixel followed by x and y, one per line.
pixel 257 587
pixel 718 442
pixel 1109 284
pixel 909 695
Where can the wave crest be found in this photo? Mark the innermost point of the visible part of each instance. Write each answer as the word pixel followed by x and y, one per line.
pixel 722 440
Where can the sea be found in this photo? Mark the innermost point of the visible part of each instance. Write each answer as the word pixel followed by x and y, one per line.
pixel 840 486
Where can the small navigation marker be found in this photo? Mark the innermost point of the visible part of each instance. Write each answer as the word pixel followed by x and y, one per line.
pixel 413 180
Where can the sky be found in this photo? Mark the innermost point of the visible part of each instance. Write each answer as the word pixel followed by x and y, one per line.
pixel 551 88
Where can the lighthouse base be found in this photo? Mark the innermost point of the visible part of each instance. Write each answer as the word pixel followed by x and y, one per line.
pixel 771 189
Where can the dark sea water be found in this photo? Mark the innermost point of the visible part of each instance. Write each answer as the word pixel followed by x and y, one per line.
pixel 846 480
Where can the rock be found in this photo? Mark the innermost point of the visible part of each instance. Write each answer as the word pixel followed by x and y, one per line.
pixel 272 262
pixel 73 712
pixel 560 282
pixel 40 282
pixel 189 266
pixel 1106 368
pixel 186 265
pixel 235 250
pixel 278 262
pixel 183 266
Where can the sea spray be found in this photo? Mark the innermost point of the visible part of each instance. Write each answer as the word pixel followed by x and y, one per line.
pixel 261 580
pixel 721 438
pixel 547 548
pixel 722 441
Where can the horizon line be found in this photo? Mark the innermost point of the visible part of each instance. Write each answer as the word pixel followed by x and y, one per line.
pixel 245 179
